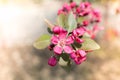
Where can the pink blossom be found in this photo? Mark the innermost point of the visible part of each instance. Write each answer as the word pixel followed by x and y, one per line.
pixel 80 31
pixel 94 31
pixel 58 50
pixel 73 4
pixel 58 30
pixel 86 4
pixel 78 56
pixel 96 16
pixel 77 33
pixel 79 60
pixel 96 12
pixel 62 43
pixel 85 23
pixel 52 61
pixel 61 12
pixel 84 9
pixel 54 40
pixel 78 10
pixel 65 9
pixel 82 12
pixel 79 40
pixel 97 28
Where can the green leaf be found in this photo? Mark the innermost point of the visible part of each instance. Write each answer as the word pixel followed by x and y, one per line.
pixel 42 42
pixel 65 56
pixel 62 62
pixel 89 44
pixel 66 65
pixel 62 21
pixel 49 30
pixel 77 45
pixel 71 22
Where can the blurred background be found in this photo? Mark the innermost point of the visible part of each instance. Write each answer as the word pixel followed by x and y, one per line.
pixel 21 23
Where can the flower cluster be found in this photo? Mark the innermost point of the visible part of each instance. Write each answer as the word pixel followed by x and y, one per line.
pixel 70 40
pixel 63 42
pixel 84 10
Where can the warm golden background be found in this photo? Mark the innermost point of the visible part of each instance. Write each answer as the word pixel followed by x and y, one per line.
pixel 21 22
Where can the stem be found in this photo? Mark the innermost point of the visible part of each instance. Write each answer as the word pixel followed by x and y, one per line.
pixel 73 46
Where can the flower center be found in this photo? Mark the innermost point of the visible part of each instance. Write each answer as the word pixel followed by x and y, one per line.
pixel 62 42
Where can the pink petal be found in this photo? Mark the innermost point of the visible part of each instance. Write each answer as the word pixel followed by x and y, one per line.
pixel 92 36
pixel 63 31
pixel 96 28
pixel 89 32
pixel 73 4
pixel 82 59
pixel 75 33
pixel 78 10
pixel 82 5
pixel 68 49
pixel 85 23
pixel 67 7
pixel 58 30
pixel 79 40
pixel 77 61
pixel 62 35
pixel 87 4
pixel 72 55
pixel 82 53
pixel 58 50
pixel 80 31
pixel 96 13
pixel 60 12
pixel 69 40
pixel 54 39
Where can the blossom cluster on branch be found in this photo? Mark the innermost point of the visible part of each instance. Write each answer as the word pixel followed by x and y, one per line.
pixel 72 37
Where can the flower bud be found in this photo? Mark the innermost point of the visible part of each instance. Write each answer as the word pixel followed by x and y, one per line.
pixel 50 47
pixel 73 4
pixel 56 30
pixel 85 23
pixel 52 61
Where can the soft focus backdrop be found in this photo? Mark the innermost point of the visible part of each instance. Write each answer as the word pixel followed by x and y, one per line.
pixel 22 22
